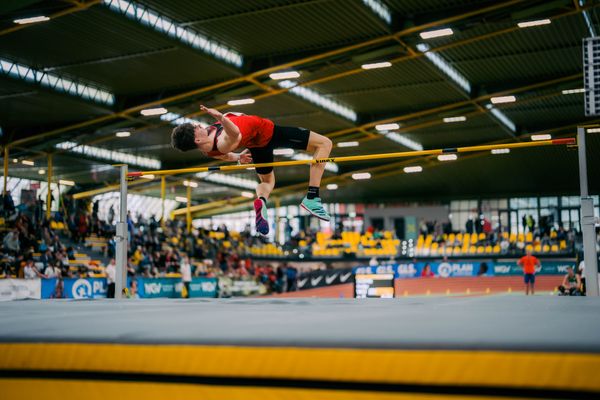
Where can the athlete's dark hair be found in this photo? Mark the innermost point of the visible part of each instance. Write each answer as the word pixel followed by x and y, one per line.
pixel 182 137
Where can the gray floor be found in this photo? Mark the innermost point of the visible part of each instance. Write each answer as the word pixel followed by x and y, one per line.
pixel 547 323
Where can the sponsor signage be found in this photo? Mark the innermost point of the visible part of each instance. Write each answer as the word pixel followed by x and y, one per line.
pixel 374 285
pixel 172 287
pixel 448 269
pixel 84 288
pixel 240 287
pixel 20 289
pixel 315 279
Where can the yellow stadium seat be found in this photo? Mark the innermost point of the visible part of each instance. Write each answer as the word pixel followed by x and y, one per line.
pixel 472 249
pixel 545 248
pixel 537 248
pixel 496 249
pixel 554 248
pixel 474 238
pixel 457 251
pixel 480 249
pixel 488 249
pixel 553 235
pixel 529 247
pixel 563 245
pixel 513 238
pixel 529 237
pixel 481 236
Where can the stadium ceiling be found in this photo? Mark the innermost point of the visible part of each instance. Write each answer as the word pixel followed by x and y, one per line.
pixel 438 73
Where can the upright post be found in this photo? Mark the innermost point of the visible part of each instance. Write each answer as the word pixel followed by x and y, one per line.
pixel 163 195
pixel 5 170
pixel 590 257
pixel 277 206
pixel 121 237
pixel 188 212
pixel 49 195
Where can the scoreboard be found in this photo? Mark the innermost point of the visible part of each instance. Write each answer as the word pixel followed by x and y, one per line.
pixel 374 285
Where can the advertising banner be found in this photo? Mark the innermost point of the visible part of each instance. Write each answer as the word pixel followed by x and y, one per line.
pixel 20 289
pixel 229 287
pixel 88 288
pixel 171 287
pixel 549 267
pixel 315 279
pixel 403 270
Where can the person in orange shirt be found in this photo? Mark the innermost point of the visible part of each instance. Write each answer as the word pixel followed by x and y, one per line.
pixel 529 263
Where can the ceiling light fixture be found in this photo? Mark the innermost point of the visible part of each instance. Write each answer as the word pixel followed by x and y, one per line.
pixel 32 20
pixel 503 99
pixel 537 22
pixel 361 175
pixel 541 137
pixel 436 33
pixel 153 111
pixel 383 64
pixel 411 170
pixel 284 75
pixel 240 102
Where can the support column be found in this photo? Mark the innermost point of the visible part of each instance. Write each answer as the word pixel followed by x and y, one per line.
pixel 590 256
pixel 188 212
pixel 49 173
pixel 277 205
pixel 163 195
pixel 6 153
pixel 121 237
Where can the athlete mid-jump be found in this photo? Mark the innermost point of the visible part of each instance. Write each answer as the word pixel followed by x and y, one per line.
pixel 259 136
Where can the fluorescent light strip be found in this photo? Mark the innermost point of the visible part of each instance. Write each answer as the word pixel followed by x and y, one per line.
pixel 249 195
pixel 110 155
pixel 32 20
pixel 66 182
pixel 412 170
pixel 330 166
pixel 361 175
pixel 593 130
pixel 28 162
pixel 55 82
pixel 41 172
pixel 284 75
pixel 347 144
pixel 573 91
pixel 500 116
pixel 404 141
pixel 332 186
pixel 541 137
pixel 283 152
pixel 445 67
pixel 190 184
pixel 229 180
pixel 385 64
pixel 320 100
pixel 537 22
pixel 387 127
pixel 455 119
pixel 123 134
pixel 380 9
pixel 153 111
pixel 181 199
pixel 500 151
pixel 447 157
pixel 436 33
pixel 177 119
pixel 503 99
pixel 149 177
pixel 162 24
pixel 240 102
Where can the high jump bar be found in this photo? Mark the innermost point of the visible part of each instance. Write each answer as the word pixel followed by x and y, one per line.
pixel 402 154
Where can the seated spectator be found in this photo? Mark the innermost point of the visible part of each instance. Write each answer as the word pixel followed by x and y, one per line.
pixel 571 284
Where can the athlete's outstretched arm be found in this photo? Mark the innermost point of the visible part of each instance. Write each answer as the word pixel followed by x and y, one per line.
pixel 232 132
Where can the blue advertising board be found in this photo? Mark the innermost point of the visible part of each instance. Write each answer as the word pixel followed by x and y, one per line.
pixel 73 288
pixel 93 288
pixel 172 287
pixel 447 269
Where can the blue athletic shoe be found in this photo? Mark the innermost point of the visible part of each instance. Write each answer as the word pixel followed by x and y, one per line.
pixel 315 207
pixel 262 217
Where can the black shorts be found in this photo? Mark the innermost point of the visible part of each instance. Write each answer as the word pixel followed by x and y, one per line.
pixel 529 278
pixel 283 137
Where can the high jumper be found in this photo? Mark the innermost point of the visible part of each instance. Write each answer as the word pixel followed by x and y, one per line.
pixel 259 137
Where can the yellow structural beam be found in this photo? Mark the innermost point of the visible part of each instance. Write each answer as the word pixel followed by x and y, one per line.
pixel 367 157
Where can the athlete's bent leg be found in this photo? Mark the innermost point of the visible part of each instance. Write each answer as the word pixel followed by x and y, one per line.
pixel 263 190
pixel 320 146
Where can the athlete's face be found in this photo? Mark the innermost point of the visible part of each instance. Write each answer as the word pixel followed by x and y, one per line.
pixel 200 135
